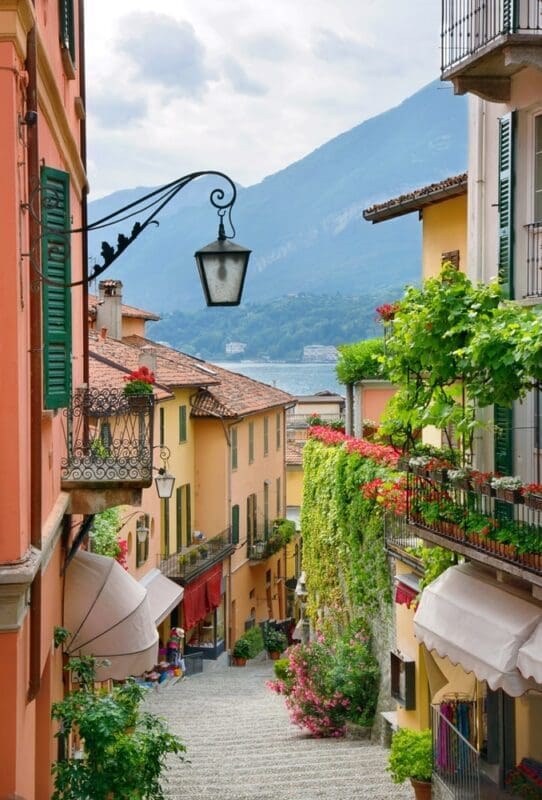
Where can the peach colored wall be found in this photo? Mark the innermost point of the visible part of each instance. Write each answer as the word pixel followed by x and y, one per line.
pixel 294 486
pixel 211 507
pixel 374 401
pixel 133 326
pixel 318 408
pixel 444 229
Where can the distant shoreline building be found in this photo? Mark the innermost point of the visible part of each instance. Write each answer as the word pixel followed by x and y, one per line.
pixel 235 348
pixel 317 353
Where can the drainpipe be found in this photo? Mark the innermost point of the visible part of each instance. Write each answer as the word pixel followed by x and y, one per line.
pixel 36 388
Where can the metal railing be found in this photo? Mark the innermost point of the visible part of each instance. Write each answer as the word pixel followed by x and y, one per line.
pixel 534 259
pixel 468 25
pixel 109 439
pixel 455 761
pixel 500 522
pixel 268 538
pixel 193 663
pixel 190 561
pixel 398 534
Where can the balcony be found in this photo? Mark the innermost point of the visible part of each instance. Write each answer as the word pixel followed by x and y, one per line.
pixel 500 528
pixel 189 562
pixel 109 440
pixel 484 42
pixel 269 539
pixel 534 260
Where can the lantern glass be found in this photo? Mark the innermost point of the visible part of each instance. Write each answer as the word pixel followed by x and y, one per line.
pixel 164 482
pixel 222 268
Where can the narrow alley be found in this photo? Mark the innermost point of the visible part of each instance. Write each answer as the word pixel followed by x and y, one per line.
pixel 242 745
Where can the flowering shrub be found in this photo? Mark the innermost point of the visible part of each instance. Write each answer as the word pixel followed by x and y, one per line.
pixel 531 489
pixel 139 381
pixel 380 453
pixel 390 494
pixel 387 311
pixel 326 683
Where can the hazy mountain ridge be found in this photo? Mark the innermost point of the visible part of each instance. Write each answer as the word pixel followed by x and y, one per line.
pixel 304 223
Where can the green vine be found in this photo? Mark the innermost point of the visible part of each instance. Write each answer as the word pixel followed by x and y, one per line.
pixel 343 535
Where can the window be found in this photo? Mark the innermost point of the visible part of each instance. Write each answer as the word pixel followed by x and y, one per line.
pixel 452 257
pixel 162 426
pixel 278 424
pixel 266 436
pixel 235 524
pixel 250 442
pixel 182 424
pixel 142 539
pixel 538 169
pixel 55 260
pixel 279 498
pixel 67 36
pixel 234 448
pixel 184 516
pixel 266 508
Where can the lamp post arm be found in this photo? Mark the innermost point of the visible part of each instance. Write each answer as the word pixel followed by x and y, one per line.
pixel 159 199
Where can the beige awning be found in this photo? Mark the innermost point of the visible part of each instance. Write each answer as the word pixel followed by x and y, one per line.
pixel 107 612
pixel 530 656
pixel 162 593
pixel 479 624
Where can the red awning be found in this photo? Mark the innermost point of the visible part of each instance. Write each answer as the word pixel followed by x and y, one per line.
pixel 202 596
pixel 405 595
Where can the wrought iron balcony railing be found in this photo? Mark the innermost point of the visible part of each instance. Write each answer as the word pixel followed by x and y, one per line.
pixel 534 259
pixel 479 521
pixel 188 562
pixel 269 538
pixel 109 439
pixel 470 25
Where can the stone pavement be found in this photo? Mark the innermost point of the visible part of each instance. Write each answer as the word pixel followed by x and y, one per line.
pixel 242 745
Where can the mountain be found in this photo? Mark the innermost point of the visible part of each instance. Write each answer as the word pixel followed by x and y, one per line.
pixel 304 223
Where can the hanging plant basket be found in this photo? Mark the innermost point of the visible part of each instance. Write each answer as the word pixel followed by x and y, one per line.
pixel 139 402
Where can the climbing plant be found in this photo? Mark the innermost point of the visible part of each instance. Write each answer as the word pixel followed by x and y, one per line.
pixel 361 360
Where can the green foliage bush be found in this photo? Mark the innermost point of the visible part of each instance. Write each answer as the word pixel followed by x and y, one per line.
pixel 361 360
pixel 254 637
pixel 411 755
pixel 104 533
pixel 241 648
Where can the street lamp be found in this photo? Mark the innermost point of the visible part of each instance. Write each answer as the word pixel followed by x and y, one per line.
pixel 164 481
pixel 222 264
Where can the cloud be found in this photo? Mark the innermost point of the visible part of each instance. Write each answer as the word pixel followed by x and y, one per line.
pixel 165 51
pixel 333 48
pixel 241 81
pixel 267 47
pixel 114 111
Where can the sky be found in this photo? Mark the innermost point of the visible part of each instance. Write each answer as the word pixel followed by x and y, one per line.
pixel 244 87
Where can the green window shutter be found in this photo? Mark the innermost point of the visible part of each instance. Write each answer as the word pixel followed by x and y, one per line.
pixel 188 506
pixel 182 424
pixel 278 422
pixel 250 442
pixel 235 524
pixel 67 27
pixel 56 265
pixel 179 511
pixel 266 436
pixel 506 204
pixel 234 448
pixel 503 453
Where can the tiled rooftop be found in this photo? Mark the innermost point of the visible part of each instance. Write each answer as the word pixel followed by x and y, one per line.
pixel 228 393
pixel 127 311
pixel 294 453
pixel 417 199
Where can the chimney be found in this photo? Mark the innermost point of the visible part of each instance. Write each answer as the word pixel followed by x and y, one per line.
pixel 109 308
pixel 147 357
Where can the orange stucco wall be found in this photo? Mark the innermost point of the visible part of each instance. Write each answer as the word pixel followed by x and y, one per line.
pixel 26 743
pixel 444 230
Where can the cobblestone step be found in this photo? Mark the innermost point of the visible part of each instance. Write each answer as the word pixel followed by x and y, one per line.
pixel 242 745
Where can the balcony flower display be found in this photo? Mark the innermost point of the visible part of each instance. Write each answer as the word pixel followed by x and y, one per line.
pixel 508 488
pixel 532 495
pixel 139 381
pixel 460 477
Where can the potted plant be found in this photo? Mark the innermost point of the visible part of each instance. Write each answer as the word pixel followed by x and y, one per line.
pixel 411 756
pixel 192 556
pixel 240 652
pixel 203 551
pixel 275 642
pixel 138 388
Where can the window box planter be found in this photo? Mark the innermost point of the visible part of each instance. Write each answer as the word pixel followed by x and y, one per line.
pixel 439 474
pixel 403 464
pixel 509 495
pixel 533 501
pixel 420 470
pixel 484 488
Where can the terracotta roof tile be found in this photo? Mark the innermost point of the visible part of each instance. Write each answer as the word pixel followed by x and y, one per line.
pixel 294 453
pixel 237 395
pixel 105 374
pixel 417 199
pixel 127 311
pixel 167 373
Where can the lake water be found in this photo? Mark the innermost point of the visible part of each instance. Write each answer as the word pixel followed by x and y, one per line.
pixel 292 378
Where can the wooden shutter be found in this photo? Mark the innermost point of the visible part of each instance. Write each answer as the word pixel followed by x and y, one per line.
pixel 506 204
pixel 234 448
pixel 182 424
pixel 504 453
pixel 67 27
pixel 235 524
pixel 179 516
pixel 56 265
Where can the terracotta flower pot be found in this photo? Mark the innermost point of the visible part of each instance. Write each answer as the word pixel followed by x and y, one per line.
pixel 422 789
pixel 237 661
pixel 273 654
